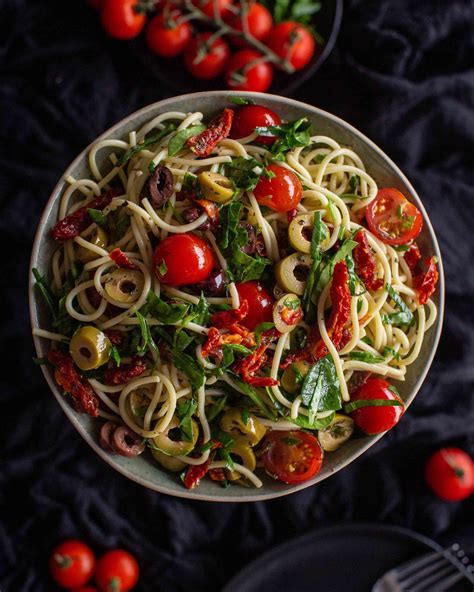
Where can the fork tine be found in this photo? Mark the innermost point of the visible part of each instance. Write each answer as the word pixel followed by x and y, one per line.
pixel 416 564
pixel 428 576
pixel 449 581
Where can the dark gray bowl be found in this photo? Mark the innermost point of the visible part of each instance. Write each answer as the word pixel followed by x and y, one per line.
pixel 142 469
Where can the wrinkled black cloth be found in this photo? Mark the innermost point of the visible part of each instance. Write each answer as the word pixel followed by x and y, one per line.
pixel 402 72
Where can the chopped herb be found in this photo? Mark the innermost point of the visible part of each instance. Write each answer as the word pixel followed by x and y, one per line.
pixel 45 292
pixel 178 141
pixel 186 411
pixel 259 329
pixel 326 274
pixel 98 217
pixel 408 221
pixel 64 323
pixel 245 173
pixel 245 416
pixel 40 361
pixel 241 101
pixel 389 351
pixel 162 268
pixel 255 396
pixel 216 408
pixel 353 405
pixel 319 158
pixel 404 317
pixel 147 339
pixel 131 152
pixel 366 339
pixel 118 222
pixel 190 366
pixel 168 313
pixel 354 280
pixel 399 212
pixel 320 390
pixel 290 135
pixel 365 357
pixel 319 233
pixel 401 248
pixel 354 182
pixel 115 355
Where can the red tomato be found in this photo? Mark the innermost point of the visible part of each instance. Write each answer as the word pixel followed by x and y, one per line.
pixel 183 259
pixel 292 457
pixel 207 6
pixel 280 193
pixel 120 19
pixel 260 303
pixel 375 420
pixel 392 218
pixel 293 42
pixel 259 23
pixel 72 564
pixel 247 70
pixel 168 37
pixel 450 474
pixel 248 117
pixel 206 62
pixel 117 571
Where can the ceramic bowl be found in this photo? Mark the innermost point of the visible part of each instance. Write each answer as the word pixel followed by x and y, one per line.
pixel 142 469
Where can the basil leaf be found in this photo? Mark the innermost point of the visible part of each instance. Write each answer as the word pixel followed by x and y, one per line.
pixel 404 317
pixel 245 173
pixel 186 411
pixel 178 141
pixel 166 312
pixel 229 221
pixel 320 390
pixel 365 357
pixel 291 441
pixel 361 403
pixel 131 152
pixel 245 416
pixel 354 280
pixel 199 312
pixel 44 290
pixel 316 424
pixel 98 217
pixel 246 268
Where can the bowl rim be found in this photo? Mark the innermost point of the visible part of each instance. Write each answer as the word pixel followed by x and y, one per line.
pixel 67 408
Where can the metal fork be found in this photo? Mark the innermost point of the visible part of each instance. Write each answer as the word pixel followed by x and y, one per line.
pixel 434 572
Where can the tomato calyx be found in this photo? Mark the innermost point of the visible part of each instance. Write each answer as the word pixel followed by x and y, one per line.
pixel 458 471
pixel 62 561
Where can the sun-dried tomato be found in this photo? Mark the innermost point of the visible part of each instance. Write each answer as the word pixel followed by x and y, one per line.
pixel 365 264
pixel 226 318
pixel 115 336
pixel 125 373
pixel 83 395
pixel 291 214
pixel 72 225
pixel 412 256
pixel 247 367
pixel 213 342
pixel 217 475
pixel 211 210
pixel 121 260
pixel 218 129
pixel 425 281
pixel 195 473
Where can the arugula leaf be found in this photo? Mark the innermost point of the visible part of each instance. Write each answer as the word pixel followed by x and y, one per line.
pixel 98 217
pixel 186 411
pixel 290 135
pixel 320 390
pixel 167 313
pixel 245 267
pixel 199 313
pixel 404 317
pixel 178 141
pixel 216 408
pixel 353 405
pixel 319 231
pixel 43 288
pixel 147 339
pixel 316 424
pixel 114 355
pixel 229 221
pixel 241 101
pixel 64 323
pixel 255 397
pixel 365 357
pixel 131 152
pixel 190 366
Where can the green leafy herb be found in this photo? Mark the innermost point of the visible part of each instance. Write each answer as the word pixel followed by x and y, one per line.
pixel 353 405
pixel 64 323
pixel 245 416
pixel 259 329
pixel 216 408
pixel 389 351
pixel 365 357
pixel 366 339
pixel 40 361
pixel 43 288
pixel 401 248
pixel 316 424
pixel 241 101
pixel 190 366
pixel 131 152
pixel 320 390
pixel 147 339
pixel 293 10
pixel 168 313
pixel 255 396
pixel 319 232
pixel 402 318
pixel 114 355
pixel 98 217
pixel 354 182
pixel 245 173
pixel 178 141
pixel 118 222
pixel 354 280
pixel 326 274
pixel 199 312
pixel 290 135
pixel 229 221
pixel 186 411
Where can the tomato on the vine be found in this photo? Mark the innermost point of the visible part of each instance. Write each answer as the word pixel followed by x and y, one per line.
pixel 292 457
pixel 168 35
pixel 375 419
pixel 450 474
pixel 392 218
pixel 117 570
pixel 282 192
pixel 260 303
pixel 292 42
pixel 248 117
pixel 258 20
pixel 121 18
pixel 206 60
pixel 207 6
pixel 248 70
pixel 72 563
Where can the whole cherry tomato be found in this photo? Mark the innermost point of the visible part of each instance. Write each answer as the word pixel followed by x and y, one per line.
pixel 280 193
pixel 72 564
pixel 292 457
pixel 375 419
pixel 182 259
pixel 167 35
pixel 260 303
pixel 207 6
pixel 120 18
pixel 117 571
pixel 292 42
pixel 204 60
pixel 248 70
pixel 450 474
pixel 248 117
pixel 392 218
pixel 259 22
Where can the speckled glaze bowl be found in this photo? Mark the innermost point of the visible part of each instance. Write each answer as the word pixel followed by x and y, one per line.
pixel 142 469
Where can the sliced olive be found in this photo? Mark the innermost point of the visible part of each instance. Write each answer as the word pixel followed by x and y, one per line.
pixel 168 462
pixel 160 185
pixel 125 285
pixel 98 238
pixel 300 232
pixel 338 431
pixel 246 457
pixel 139 403
pixel 287 312
pixel 126 442
pixel 292 271
pixel 216 187
pixel 246 430
pixel 293 376
pixel 89 348
pixel 170 441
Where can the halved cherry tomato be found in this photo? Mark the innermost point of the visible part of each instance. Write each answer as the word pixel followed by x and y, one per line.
pixel 182 259
pixel 392 218
pixel 117 571
pixel 204 60
pixel 72 564
pixel 248 117
pixel 292 42
pixel 260 304
pixel 207 6
pixel 280 193
pixel 120 18
pixel 450 474
pixel 259 22
pixel 167 35
pixel 248 70
pixel 292 457
pixel 375 420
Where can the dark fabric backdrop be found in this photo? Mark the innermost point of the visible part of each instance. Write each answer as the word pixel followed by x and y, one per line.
pixel 402 72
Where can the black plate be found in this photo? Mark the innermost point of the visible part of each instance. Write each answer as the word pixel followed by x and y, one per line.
pixel 171 72
pixel 335 559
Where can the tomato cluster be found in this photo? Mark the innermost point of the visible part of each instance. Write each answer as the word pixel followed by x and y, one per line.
pixel 242 47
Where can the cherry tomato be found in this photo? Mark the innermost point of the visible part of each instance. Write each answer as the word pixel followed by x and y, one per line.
pixel 117 571
pixel 207 6
pixel 375 420
pixel 248 117
pixel 247 71
pixel 450 474
pixel 204 61
pixel 259 23
pixel 183 259
pixel 392 218
pixel 120 18
pixel 72 564
pixel 167 36
pixel 280 193
pixel 260 303
pixel 292 457
pixel 293 42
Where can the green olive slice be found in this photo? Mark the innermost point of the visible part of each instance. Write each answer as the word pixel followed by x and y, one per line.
pixel 249 432
pixel 287 312
pixel 89 348
pixel 124 285
pixel 168 462
pixel 170 441
pixel 338 431
pixel 98 238
pixel 246 457
pixel 292 271
pixel 216 187
pixel 300 231
pixel 293 376
pixel 139 403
